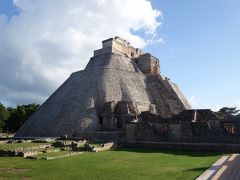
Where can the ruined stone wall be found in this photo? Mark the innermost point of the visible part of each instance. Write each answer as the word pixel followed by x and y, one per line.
pixel 185 127
pixel 153 132
pixel 174 146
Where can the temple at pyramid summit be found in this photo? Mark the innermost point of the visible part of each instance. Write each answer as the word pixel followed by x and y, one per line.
pixel 119 81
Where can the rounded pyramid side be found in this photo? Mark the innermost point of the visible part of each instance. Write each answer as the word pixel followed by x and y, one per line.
pixel 76 105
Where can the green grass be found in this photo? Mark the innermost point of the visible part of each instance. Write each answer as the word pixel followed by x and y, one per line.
pixel 122 163
pixel 20 145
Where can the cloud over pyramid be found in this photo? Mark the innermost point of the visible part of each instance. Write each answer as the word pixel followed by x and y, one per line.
pixel 118 81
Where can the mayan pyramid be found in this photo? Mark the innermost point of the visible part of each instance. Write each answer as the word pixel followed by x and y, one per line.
pixel 116 74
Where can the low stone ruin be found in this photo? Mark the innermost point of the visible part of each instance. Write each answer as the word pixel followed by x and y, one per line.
pixel 201 125
pixel 24 152
pixel 37 149
pixel 101 147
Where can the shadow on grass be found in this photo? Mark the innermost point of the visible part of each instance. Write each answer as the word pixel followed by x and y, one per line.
pixel 200 169
pixel 173 152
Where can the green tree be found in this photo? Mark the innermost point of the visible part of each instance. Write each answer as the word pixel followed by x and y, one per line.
pixel 228 111
pixel 19 115
pixel 4 115
pixel 30 109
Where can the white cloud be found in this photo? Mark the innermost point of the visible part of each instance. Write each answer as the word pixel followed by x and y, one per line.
pixel 213 107
pixel 193 101
pixel 236 104
pixel 48 40
pixel 155 41
pixel 196 104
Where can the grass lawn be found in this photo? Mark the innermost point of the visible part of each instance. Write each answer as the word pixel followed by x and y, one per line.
pixel 122 163
pixel 20 145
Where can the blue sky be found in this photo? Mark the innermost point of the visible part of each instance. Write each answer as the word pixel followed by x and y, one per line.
pixel 201 48
pixel 201 52
pixel 7 8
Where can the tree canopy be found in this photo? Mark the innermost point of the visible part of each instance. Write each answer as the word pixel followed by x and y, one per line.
pixel 229 111
pixel 4 115
pixel 11 119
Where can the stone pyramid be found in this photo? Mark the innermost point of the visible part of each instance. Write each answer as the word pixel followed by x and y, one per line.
pixel 118 80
